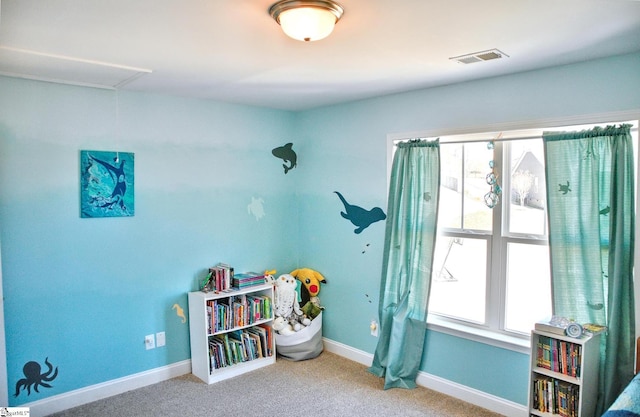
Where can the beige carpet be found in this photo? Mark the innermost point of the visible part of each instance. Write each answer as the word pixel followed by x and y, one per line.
pixel 328 385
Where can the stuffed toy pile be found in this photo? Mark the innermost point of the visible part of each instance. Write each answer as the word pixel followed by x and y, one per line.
pixel 289 316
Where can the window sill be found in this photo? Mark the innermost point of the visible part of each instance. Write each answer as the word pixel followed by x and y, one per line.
pixel 501 340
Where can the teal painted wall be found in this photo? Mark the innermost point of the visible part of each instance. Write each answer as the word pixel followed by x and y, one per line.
pixel 500 372
pixel 84 292
pixel 345 149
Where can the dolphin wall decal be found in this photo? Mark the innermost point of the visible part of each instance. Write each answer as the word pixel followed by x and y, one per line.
pixel 287 154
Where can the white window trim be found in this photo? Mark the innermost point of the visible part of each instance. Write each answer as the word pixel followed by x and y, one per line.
pixel 486 132
pixel 478 334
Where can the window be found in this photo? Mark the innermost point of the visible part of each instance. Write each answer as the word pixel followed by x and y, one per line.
pixel 491 274
pixel 491 266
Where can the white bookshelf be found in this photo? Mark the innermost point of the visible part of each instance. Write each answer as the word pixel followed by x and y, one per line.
pixel 583 381
pixel 200 334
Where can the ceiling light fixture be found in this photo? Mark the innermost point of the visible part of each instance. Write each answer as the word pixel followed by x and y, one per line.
pixel 306 20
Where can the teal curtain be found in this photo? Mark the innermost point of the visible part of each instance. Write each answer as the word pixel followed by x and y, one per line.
pixel 590 196
pixel 410 236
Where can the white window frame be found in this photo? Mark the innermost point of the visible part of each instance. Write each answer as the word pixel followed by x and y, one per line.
pixel 519 129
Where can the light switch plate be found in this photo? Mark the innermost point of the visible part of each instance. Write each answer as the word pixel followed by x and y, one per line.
pixel 160 339
pixel 149 342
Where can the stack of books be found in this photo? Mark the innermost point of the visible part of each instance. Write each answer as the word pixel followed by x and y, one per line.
pixel 594 328
pixel 554 324
pixel 220 278
pixel 247 279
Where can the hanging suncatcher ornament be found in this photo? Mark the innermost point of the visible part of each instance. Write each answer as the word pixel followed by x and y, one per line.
pixel 492 198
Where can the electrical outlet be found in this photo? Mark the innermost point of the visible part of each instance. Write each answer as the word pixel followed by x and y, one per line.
pixel 374 328
pixel 160 339
pixel 149 342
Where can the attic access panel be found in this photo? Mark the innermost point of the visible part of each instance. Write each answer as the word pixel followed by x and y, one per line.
pixel 23 63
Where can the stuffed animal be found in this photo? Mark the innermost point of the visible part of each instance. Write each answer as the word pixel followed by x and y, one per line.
pixel 299 321
pixel 310 288
pixel 286 298
pixel 281 326
pixel 268 277
pixel 311 310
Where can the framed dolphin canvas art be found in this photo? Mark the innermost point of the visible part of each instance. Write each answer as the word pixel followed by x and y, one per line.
pixel 106 184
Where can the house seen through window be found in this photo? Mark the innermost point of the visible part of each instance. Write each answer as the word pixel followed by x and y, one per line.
pixel 491 266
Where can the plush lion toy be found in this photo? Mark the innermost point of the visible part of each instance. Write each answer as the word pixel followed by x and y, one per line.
pixel 309 289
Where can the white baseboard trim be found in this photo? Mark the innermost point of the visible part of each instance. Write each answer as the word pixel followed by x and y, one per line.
pixel 462 392
pixel 348 352
pixel 471 395
pixel 97 392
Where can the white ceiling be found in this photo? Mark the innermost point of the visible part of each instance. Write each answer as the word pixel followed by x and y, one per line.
pixel 231 50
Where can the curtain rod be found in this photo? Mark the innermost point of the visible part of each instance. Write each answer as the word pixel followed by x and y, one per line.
pixel 633 129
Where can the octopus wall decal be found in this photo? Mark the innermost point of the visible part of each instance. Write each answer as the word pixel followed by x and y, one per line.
pixel 34 378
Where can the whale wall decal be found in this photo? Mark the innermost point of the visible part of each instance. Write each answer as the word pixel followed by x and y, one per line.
pixel 360 217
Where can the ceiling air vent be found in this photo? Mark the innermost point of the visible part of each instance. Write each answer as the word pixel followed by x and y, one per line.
pixel 479 56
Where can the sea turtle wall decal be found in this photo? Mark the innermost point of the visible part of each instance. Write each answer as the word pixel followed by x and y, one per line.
pixel 256 208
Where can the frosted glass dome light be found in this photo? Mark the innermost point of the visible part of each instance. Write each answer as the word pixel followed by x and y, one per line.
pixel 306 20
